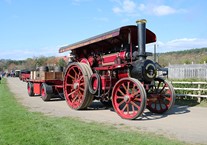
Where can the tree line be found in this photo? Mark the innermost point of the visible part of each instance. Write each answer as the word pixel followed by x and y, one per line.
pixel 32 63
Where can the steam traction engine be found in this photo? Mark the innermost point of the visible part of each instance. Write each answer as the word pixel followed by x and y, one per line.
pixel 112 67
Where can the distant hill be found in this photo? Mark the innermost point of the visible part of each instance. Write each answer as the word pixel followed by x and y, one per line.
pixel 196 56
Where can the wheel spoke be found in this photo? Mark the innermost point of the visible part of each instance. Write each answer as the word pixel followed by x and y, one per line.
pixel 133 89
pixel 135 105
pixel 120 103
pixel 136 93
pixel 169 99
pixel 72 93
pixel 69 85
pixel 137 99
pixel 124 108
pixel 120 97
pixel 163 88
pixel 82 84
pixel 128 87
pixel 73 78
pixel 82 89
pixel 127 108
pixel 124 87
pixel 121 92
pixel 160 105
pixel 74 99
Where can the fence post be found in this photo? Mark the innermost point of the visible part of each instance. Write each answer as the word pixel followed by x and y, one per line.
pixel 199 93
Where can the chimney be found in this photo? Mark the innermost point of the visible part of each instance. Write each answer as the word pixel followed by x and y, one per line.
pixel 141 24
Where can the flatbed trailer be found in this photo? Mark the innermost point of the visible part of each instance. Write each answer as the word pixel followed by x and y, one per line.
pixel 45 84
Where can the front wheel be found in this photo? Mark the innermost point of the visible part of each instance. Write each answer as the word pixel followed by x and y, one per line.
pixel 129 98
pixel 161 96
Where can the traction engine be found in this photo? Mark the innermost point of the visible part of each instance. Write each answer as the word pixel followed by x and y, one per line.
pixel 113 68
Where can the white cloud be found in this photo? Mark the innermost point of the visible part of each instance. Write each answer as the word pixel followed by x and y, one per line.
pixel 181 44
pixel 29 53
pixel 132 8
pixel 125 6
pixel 163 10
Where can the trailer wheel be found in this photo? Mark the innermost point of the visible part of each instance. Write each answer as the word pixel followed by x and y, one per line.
pixel 75 86
pixel 30 89
pixel 129 98
pixel 46 92
pixel 161 96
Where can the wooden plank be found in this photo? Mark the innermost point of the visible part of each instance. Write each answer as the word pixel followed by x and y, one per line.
pixel 191 89
pixel 191 95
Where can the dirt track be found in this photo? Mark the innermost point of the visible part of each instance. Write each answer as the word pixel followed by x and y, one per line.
pixel 187 124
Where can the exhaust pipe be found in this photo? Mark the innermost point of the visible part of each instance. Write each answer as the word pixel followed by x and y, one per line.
pixel 141 34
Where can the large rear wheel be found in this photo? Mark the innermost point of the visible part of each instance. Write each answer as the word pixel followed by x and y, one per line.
pixel 129 98
pixel 76 86
pixel 161 96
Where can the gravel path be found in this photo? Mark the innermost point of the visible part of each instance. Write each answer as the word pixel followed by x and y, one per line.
pixel 184 123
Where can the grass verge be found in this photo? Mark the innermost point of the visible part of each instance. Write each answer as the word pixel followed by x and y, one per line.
pixel 21 127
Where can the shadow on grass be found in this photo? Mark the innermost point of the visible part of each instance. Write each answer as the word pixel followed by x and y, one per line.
pixel 187 102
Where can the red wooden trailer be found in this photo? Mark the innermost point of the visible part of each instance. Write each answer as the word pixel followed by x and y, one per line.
pixel 46 84
pixel 24 75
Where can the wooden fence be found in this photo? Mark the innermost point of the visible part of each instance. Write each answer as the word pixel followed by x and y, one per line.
pixel 191 89
pixel 195 71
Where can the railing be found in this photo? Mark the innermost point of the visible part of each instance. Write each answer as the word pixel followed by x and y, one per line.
pixel 191 89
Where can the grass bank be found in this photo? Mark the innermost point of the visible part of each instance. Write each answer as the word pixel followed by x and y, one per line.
pixel 21 127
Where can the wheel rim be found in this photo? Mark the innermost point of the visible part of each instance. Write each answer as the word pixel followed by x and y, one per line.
pixel 161 96
pixel 29 88
pixel 75 86
pixel 43 93
pixel 129 98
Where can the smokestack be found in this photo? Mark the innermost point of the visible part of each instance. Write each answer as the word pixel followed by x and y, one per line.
pixel 141 24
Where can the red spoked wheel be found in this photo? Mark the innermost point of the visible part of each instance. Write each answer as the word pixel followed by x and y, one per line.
pixel 129 98
pixel 46 92
pixel 161 96
pixel 30 89
pixel 76 86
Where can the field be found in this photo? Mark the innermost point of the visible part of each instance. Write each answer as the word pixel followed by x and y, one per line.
pixel 21 127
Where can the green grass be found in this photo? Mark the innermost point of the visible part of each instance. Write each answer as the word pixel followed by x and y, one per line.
pixel 18 126
pixel 189 101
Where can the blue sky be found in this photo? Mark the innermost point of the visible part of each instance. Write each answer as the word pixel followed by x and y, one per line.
pixel 31 28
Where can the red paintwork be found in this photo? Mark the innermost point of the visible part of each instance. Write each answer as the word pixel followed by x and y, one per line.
pixel 56 84
pixel 109 59
pixel 94 82
pixel 122 55
pixel 105 82
pixel 25 76
pixel 123 75
pixel 37 88
pixel 84 60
